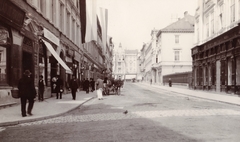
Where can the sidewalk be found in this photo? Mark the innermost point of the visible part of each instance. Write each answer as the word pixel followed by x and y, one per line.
pixel 49 108
pixel 214 96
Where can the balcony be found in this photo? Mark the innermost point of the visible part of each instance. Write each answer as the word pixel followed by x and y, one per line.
pixel 157 65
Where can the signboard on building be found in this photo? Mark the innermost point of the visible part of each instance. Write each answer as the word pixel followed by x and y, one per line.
pixel 10 12
pixel 50 36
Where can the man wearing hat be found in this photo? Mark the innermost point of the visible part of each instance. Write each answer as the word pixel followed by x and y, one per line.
pixel 27 92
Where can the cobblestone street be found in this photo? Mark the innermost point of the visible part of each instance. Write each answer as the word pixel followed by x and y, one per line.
pixel 139 114
pixel 136 115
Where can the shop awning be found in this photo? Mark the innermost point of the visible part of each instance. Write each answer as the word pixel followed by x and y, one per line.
pixel 56 56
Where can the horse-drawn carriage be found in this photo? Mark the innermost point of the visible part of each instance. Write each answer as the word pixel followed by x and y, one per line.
pixel 112 86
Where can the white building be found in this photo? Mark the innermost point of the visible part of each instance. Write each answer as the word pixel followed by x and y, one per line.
pixel 118 62
pixel 131 64
pixel 171 51
pixel 125 63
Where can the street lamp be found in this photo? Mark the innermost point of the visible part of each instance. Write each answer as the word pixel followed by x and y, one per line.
pixel 74 69
pixel 82 69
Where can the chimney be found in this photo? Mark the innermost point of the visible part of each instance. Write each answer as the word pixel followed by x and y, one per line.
pixel 185 13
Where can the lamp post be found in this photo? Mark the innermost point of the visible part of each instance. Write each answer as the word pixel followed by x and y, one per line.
pixel 75 69
pixel 82 71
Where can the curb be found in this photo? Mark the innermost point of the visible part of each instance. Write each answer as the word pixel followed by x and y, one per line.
pixel 198 96
pixel 5 124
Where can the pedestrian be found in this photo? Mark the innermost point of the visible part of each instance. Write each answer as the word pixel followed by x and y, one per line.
pixel 74 86
pixel 27 92
pixel 86 84
pixel 59 87
pixel 99 88
pixel 92 83
pixel 151 81
pixel 83 84
pixel 170 82
pixel 105 81
pixel 40 88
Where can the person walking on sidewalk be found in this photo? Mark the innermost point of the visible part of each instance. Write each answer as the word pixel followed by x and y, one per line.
pixel 59 87
pixel 92 83
pixel 170 82
pixel 74 86
pixel 86 83
pixel 99 88
pixel 27 92
pixel 40 88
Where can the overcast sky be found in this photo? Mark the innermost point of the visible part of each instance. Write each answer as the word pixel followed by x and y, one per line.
pixel 130 21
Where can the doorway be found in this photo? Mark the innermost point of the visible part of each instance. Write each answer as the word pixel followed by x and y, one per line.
pixel 27 62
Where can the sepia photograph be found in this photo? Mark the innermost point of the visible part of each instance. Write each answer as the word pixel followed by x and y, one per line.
pixel 119 70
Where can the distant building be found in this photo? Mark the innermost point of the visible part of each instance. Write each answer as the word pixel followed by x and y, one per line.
pixel 118 62
pixel 131 64
pixel 125 63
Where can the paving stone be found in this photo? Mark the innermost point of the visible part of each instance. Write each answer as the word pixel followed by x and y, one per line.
pixel 135 115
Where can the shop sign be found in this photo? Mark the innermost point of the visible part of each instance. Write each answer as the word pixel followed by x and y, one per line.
pixel 4 35
pixel 77 56
pixel 11 12
pixel 50 36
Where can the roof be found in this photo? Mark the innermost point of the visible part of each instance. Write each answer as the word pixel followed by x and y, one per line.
pixel 186 24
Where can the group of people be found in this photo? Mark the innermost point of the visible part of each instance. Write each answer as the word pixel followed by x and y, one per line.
pixel 27 91
pixel 87 85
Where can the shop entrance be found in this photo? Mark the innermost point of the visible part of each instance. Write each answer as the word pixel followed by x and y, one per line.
pixel 27 62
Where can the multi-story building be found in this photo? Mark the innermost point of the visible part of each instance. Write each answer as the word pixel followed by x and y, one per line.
pixel 98 46
pixel 147 61
pixel 125 63
pixel 216 51
pixel 173 49
pixel 131 64
pixel 44 36
pixel 119 67
pixel 169 51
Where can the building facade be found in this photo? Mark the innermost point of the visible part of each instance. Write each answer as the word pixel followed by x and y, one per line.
pixel 131 64
pixel 44 36
pixel 125 63
pixel 169 50
pixel 216 52
pixel 119 67
pixel 146 64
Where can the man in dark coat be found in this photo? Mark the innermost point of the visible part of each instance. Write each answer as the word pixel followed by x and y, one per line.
pixel 40 88
pixel 59 87
pixel 170 82
pixel 86 84
pixel 74 86
pixel 27 92
pixel 83 84
pixel 92 83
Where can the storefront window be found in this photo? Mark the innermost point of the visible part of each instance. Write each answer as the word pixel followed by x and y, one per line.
pixel 237 71
pixel 3 65
pixel 230 72
pixel 209 75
